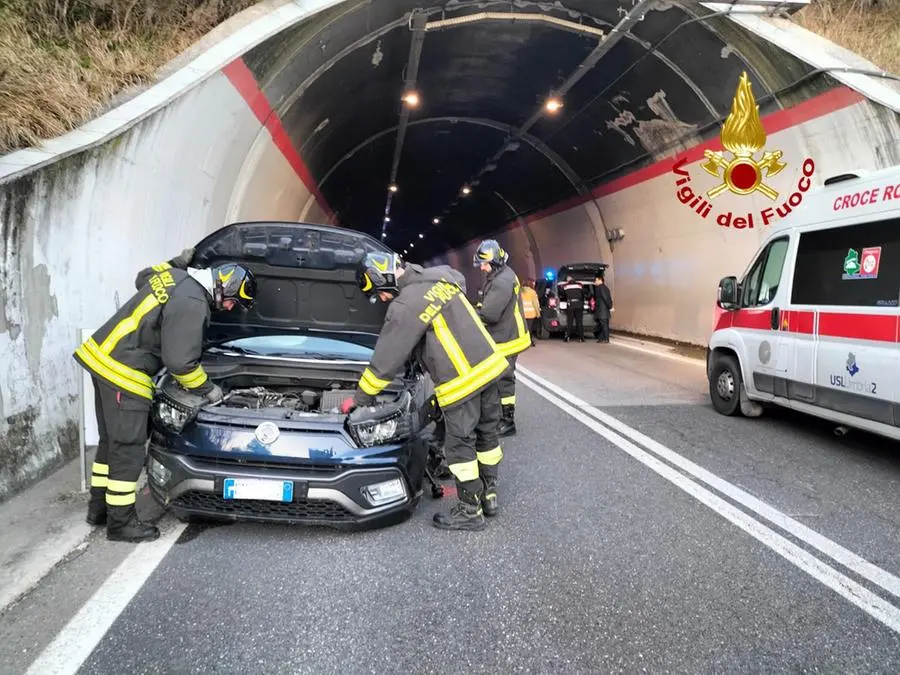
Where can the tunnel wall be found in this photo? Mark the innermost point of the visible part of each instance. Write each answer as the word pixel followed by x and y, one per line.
pixel 665 270
pixel 75 232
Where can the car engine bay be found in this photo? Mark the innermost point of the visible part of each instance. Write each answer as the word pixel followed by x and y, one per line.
pixel 294 398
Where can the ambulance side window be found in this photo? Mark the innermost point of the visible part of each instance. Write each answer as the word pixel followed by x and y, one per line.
pixel 761 283
pixel 853 265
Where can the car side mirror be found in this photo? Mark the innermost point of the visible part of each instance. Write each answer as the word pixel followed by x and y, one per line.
pixel 727 296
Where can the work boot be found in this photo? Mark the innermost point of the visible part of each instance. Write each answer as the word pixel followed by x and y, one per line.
pixel 507 425
pixel 489 498
pixel 466 514
pixel 96 514
pixel 123 525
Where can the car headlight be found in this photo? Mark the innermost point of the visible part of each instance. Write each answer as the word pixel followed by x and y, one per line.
pixel 368 433
pixel 170 416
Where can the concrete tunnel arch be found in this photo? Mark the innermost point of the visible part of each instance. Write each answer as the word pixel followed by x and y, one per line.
pixel 296 114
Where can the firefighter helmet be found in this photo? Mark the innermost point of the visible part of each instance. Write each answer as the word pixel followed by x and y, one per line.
pixel 234 282
pixel 378 272
pixel 489 251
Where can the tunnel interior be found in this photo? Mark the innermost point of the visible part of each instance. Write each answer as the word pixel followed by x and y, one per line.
pixel 637 80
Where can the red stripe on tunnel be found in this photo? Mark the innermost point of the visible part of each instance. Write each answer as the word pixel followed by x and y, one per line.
pixel 245 82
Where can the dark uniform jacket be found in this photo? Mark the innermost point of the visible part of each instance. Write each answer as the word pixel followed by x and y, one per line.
pixel 163 324
pixel 432 320
pixel 574 294
pixel 503 312
pixel 604 301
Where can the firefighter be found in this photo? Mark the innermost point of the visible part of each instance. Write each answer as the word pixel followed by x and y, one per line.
pixel 573 292
pixel 503 313
pixel 430 319
pixel 163 324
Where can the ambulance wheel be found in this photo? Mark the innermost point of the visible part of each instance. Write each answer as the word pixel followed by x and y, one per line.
pixel 725 385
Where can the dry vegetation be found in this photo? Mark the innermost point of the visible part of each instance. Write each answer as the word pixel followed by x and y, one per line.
pixel 62 60
pixel 870 28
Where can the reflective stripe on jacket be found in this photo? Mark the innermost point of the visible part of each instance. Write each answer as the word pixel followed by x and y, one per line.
pixel 432 319
pixel 163 324
pixel 503 313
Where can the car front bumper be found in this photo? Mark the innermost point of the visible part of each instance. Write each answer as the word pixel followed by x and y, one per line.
pixel 322 494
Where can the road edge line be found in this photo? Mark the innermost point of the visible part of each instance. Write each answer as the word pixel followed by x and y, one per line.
pixel 624 342
pixel 852 561
pixel 852 591
pixel 80 636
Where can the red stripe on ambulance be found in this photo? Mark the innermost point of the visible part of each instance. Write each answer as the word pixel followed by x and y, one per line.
pixel 877 327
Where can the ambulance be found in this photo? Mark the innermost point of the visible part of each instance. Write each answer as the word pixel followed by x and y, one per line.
pixel 812 324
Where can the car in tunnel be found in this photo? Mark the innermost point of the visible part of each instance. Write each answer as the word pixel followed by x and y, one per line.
pixel 553 306
pixel 277 447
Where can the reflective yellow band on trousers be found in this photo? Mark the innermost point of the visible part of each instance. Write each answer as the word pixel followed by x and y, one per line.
pixel 120 500
pixel 371 384
pixel 98 481
pixel 508 400
pixel 490 457
pixel 482 374
pixel 118 374
pixel 122 486
pixel 101 469
pixel 193 379
pixel 465 471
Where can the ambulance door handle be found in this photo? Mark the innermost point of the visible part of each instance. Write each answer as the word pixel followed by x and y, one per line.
pixel 775 314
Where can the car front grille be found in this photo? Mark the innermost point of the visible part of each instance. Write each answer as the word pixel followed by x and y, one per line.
pixel 299 509
pixel 245 463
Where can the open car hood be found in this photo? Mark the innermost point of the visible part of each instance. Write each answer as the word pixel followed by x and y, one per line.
pixel 306 280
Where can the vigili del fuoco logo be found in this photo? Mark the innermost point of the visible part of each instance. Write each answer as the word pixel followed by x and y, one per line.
pixel 738 170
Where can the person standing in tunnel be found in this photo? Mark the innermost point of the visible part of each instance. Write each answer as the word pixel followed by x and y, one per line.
pixel 163 324
pixel 532 308
pixel 430 319
pixel 573 292
pixel 602 309
pixel 503 314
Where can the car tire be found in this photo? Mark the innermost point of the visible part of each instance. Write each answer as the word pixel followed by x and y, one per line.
pixel 725 385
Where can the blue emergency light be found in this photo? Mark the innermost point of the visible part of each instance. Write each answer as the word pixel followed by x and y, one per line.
pixel 549 275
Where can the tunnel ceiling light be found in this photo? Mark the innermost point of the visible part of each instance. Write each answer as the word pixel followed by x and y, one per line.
pixel 406 250
pixel 384 235
pixel 393 188
pixel 412 245
pixel 411 98
pixel 436 221
pixel 466 190
pixel 421 236
pixel 387 219
pixel 553 104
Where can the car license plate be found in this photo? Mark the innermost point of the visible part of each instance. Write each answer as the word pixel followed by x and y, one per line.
pixel 256 488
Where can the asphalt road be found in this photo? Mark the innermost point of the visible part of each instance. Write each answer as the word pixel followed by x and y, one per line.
pixel 611 554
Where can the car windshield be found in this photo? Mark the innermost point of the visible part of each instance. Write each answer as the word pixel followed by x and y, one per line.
pixel 305 346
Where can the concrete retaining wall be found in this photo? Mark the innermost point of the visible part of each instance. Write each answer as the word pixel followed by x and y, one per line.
pixel 74 232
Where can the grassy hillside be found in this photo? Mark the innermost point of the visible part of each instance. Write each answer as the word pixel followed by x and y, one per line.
pixel 870 28
pixel 61 61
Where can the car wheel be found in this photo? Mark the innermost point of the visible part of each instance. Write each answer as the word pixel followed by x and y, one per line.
pixel 725 385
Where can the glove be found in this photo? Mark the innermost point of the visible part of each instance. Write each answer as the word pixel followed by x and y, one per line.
pixel 348 405
pixel 183 259
pixel 214 395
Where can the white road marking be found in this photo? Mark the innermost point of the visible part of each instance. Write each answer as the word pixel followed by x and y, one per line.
pixel 832 549
pixel 851 590
pixel 636 347
pixel 74 644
